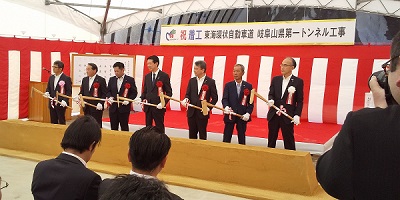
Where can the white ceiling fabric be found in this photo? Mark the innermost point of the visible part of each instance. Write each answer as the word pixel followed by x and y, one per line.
pixel 121 18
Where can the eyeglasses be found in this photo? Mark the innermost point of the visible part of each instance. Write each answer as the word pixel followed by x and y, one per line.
pixel 386 65
pixel 3 184
pixel 285 65
pixel 55 66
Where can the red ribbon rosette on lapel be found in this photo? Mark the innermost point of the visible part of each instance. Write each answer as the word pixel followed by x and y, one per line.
pixel 159 85
pixel 246 93
pixel 204 89
pixel 127 86
pixel 96 89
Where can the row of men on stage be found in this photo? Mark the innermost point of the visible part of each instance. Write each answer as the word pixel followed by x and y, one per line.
pixel 286 93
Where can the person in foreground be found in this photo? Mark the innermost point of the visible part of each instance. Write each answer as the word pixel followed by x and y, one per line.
pixel 127 187
pixel 66 177
pixel 148 151
pixel 363 162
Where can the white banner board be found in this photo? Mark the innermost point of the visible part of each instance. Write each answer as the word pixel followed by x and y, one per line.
pixel 104 64
pixel 308 32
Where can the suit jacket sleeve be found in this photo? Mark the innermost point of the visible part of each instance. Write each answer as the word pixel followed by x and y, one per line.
pixel 271 93
pixel 167 87
pixel 250 107
pixel 93 190
pixel 133 89
pixel 300 97
pixel 144 89
pixel 187 95
pixel 334 168
pixel 109 88
pixel 103 87
pixel 225 96
pixel 82 88
pixel 214 94
pixel 68 86
pixel 48 88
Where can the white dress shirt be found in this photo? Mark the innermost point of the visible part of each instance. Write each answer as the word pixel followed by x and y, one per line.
pixel 200 82
pixel 141 175
pixel 285 83
pixel 73 155
pixel 120 81
pixel 91 80
pixel 156 73
pixel 56 78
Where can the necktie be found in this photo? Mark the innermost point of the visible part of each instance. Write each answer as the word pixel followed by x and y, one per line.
pixel 154 78
pixel 238 89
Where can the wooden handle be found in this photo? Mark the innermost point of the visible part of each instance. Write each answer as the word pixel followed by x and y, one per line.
pixel 131 100
pixel 219 108
pixel 276 108
pixel 42 93
pixel 93 98
pixel 177 100
pixel 63 95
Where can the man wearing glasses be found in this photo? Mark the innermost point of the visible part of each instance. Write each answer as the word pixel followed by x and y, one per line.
pixel 61 83
pixel 286 93
pixel 363 162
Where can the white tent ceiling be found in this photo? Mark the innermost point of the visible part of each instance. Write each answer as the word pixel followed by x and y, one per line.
pixel 89 14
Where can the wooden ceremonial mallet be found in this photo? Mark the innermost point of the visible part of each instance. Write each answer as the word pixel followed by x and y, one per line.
pixel 205 104
pixel 118 100
pixel 93 98
pixel 177 100
pixel 33 89
pixel 162 100
pixel 253 92
pixel 133 101
pixel 80 98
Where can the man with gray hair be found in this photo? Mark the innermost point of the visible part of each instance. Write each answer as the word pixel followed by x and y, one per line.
pixel 236 99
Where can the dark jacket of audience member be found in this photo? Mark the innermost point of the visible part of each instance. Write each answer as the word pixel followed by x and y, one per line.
pixel 66 177
pixel 364 161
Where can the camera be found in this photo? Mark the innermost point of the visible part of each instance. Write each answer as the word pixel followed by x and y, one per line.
pixel 382 79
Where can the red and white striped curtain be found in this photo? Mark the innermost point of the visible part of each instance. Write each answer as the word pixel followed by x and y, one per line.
pixel 335 77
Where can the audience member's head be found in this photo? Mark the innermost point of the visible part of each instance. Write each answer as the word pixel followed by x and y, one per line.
pixel 148 150
pixel 127 187
pixel 81 137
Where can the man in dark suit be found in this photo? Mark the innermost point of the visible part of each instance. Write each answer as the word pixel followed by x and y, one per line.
pixel 125 86
pixel 199 88
pixel 155 82
pixel 61 83
pixel 93 85
pixel 66 177
pixel 286 93
pixel 363 162
pixel 148 150
pixel 236 99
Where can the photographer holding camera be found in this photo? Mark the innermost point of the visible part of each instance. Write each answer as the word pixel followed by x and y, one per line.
pixel 364 161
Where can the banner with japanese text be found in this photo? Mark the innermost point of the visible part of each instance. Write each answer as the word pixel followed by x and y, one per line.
pixel 308 32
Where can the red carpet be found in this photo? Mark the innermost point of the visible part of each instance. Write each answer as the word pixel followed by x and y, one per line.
pixel 305 132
